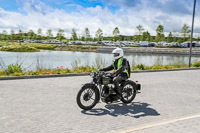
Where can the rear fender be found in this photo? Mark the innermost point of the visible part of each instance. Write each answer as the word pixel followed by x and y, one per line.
pixel 138 86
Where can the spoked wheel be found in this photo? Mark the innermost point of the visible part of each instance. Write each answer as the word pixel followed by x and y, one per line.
pixel 87 98
pixel 128 92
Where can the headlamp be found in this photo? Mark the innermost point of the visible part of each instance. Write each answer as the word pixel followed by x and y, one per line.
pixel 92 74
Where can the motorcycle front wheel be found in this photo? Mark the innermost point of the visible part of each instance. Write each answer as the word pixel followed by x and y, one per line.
pixel 87 97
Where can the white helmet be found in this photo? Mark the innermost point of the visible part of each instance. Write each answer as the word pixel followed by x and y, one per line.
pixel 118 53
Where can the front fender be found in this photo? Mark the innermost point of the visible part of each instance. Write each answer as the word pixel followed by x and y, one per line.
pixel 89 85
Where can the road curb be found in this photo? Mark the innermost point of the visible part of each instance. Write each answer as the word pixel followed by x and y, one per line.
pixel 147 51
pixel 164 70
pixel 84 74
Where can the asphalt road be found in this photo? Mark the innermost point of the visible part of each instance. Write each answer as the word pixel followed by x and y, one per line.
pixel 169 102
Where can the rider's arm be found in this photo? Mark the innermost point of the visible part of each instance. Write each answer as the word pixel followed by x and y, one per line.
pixel 107 68
pixel 122 68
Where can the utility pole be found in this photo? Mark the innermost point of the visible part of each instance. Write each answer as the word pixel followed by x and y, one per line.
pixel 192 33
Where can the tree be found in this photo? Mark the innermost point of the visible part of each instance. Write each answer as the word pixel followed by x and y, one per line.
pixel 180 40
pixel 20 36
pixel 39 34
pixel 60 35
pixel 49 34
pixel 4 35
pixel 74 35
pixel 120 38
pixel 152 38
pixel 12 35
pixel 160 33
pixel 82 38
pixel 140 30
pixel 185 30
pixel 31 35
pixel 175 36
pixel 198 38
pixel 99 34
pixel 170 37
pixel 115 33
pixel 86 34
pixel 146 36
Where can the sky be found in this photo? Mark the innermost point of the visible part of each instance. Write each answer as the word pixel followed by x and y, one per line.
pixel 94 14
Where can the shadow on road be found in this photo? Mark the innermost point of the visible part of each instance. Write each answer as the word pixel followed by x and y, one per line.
pixel 135 109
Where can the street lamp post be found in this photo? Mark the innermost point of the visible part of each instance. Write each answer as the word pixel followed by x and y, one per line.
pixel 192 33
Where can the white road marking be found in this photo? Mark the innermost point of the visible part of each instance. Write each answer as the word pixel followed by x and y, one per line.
pixel 156 124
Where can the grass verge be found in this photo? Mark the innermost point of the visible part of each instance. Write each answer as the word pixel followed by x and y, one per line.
pixel 36 47
pixel 16 70
pixel 18 48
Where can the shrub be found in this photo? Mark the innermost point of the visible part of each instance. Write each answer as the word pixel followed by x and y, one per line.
pixel 140 67
pixel 13 69
pixel 1 73
pixel 196 64
pixel 156 67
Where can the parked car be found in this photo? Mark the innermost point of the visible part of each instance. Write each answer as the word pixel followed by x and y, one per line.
pixel 174 44
pixel 187 44
pixel 197 44
pixel 108 43
pixel 152 44
pixel 144 43
pixel 127 43
pixel 161 43
pixel 184 45
pixel 166 44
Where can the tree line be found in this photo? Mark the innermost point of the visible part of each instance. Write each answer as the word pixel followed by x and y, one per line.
pixel 141 35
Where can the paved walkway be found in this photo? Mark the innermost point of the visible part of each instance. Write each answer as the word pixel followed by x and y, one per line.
pixel 169 102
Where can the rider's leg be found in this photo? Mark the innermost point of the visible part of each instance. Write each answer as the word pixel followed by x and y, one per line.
pixel 116 82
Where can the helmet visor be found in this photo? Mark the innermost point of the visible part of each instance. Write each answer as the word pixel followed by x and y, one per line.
pixel 116 54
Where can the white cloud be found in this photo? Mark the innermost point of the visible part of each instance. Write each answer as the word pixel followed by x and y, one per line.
pixel 38 15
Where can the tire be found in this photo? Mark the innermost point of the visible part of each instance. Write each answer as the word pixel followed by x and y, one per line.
pixel 87 92
pixel 128 88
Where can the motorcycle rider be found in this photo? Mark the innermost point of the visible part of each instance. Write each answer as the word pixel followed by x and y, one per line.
pixel 121 69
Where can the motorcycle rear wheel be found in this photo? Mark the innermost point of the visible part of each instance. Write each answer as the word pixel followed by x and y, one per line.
pixel 128 92
pixel 87 97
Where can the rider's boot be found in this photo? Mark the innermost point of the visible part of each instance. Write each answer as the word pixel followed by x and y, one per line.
pixel 118 93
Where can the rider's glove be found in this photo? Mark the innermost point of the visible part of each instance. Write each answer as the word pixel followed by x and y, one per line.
pixel 113 74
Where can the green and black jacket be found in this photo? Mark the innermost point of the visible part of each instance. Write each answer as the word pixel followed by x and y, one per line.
pixel 120 65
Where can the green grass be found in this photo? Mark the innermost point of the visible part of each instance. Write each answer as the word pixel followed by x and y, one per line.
pixel 3 43
pixel 15 70
pixel 36 47
pixel 77 48
pixel 18 48
pixel 25 47
pixel 41 46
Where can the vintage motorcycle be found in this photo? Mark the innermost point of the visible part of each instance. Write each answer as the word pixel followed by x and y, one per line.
pixel 101 87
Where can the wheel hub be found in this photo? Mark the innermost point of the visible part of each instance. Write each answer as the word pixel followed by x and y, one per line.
pixel 86 97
